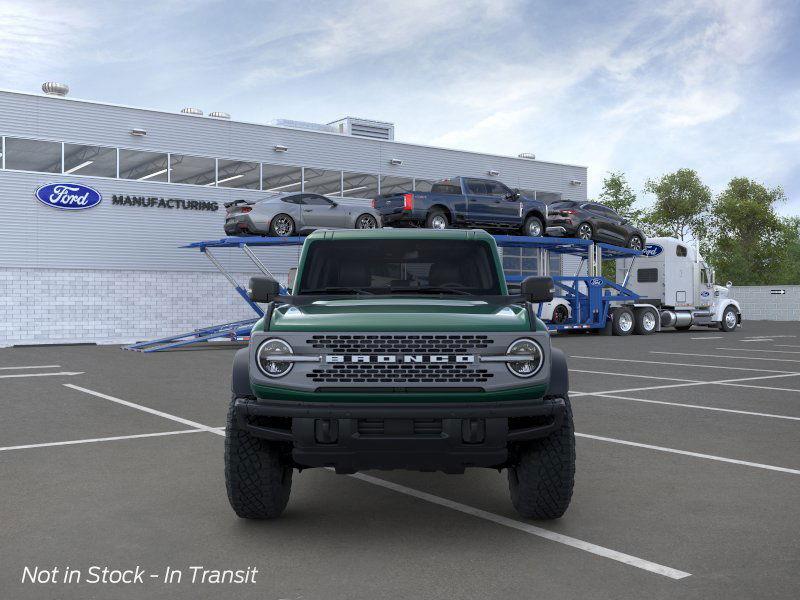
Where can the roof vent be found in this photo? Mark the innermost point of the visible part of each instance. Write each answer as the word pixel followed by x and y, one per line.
pixel 219 115
pixel 192 111
pixel 377 130
pixel 51 88
pixel 527 155
pixel 303 125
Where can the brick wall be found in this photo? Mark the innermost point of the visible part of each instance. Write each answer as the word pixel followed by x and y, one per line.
pixel 758 303
pixel 46 306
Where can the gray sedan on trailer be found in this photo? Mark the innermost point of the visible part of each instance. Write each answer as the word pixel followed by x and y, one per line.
pixel 286 214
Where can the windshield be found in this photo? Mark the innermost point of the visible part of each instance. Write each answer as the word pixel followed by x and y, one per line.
pixel 457 267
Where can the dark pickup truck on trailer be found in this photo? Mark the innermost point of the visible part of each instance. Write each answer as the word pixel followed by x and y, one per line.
pixel 465 202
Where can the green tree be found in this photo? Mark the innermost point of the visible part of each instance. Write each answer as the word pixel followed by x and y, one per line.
pixel 681 205
pixel 618 195
pixel 749 243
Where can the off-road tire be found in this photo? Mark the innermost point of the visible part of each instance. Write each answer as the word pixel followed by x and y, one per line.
pixel 724 324
pixel 257 479
pixel 543 476
pixel 435 214
pixel 275 219
pixel 531 223
pixel 641 325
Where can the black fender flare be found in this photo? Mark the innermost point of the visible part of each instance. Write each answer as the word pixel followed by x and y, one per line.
pixel 240 382
pixel 559 375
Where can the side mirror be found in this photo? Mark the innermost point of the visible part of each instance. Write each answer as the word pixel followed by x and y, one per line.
pixel 263 289
pixel 537 289
pixel 291 277
pixel 334 204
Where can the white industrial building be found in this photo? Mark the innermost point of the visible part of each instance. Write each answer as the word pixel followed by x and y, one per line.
pixel 116 272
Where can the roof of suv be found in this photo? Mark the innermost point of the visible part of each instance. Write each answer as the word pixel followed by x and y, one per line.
pixel 400 234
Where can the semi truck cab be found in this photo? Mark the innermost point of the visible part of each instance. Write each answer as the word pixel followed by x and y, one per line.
pixel 672 276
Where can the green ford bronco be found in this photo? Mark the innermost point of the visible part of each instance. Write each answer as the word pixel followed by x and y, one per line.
pixel 400 349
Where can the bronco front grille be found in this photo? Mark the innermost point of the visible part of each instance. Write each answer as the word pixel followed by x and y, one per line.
pixel 399 373
pixel 399 343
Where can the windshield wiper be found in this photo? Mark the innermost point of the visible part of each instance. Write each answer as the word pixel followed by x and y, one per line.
pixel 433 290
pixel 338 290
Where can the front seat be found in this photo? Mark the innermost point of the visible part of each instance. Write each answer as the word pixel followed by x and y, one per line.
pixel 444 273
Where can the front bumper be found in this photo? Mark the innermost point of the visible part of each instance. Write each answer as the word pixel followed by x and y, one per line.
pixel 429 437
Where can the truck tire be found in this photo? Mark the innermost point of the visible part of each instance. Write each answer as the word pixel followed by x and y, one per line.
pixel 437 219
pixel 533 227
pixel 622 322
pixel 257 480
pixel 541 480
pixel 645 321
pixel 729 319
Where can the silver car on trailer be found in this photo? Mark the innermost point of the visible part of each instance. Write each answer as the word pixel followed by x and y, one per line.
pixel 286 214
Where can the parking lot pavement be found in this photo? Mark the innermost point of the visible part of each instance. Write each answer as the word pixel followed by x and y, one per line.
pixel 688 473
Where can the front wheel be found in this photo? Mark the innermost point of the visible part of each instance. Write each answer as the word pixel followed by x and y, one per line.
pixel 257 478
pixel 533 227
pixel 729 319
pixel 543 475
pixel 635 243
pixel 366 221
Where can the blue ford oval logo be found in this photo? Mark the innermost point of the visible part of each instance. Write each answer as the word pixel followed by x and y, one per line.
pixel 596 281
pixel 652 250
pixel 68 196
pixel 705 294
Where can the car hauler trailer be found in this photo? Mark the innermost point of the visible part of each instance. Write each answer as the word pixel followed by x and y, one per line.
pixel 593 302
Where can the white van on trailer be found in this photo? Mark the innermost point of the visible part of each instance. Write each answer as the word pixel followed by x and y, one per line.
pixel 671 276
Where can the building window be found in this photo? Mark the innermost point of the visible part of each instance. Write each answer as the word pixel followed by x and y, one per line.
pixel 33 155
pixel 143 166
pixel 96 161
pixel 359 185
pixel 280 178
pixel 320 181
pixel 237 174
pixel 423 185
pixel 396 185
pixel 194 170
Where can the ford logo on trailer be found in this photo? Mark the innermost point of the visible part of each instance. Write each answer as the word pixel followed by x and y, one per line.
pixel 68 196
pixel 705 294
pixel 596 282
pixel 652 250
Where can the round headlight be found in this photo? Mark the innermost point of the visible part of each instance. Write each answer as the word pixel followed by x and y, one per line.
pixel 532 361
pixel 268 365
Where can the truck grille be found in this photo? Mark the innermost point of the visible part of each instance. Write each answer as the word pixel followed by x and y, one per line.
pixel 399 344
pixel 399 373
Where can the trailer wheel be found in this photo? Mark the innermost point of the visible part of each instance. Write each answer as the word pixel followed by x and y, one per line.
pixel 645 322
pixel 729 320
pixel 622 322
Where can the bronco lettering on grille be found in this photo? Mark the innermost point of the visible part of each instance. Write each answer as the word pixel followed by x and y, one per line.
pixel 405 359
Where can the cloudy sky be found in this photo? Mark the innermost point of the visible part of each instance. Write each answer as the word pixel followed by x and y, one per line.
pixel 641 87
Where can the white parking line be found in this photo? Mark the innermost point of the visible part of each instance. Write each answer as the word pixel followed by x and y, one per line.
pixel 787 346
pixel 31 367
pixel 759 350
pixel 656 362
pixel 64 373
pixel 627 559
pixel 708 337
pixel 682 405
pixel 147 409
pixel 734 382
pixel 634 375
pixel 687 453
pixel 103 439
pixel 793 360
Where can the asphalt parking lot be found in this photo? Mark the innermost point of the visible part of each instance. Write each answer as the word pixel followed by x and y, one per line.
pixel 688 481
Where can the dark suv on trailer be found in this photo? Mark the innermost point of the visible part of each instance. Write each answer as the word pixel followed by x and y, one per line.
pixel 593 221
